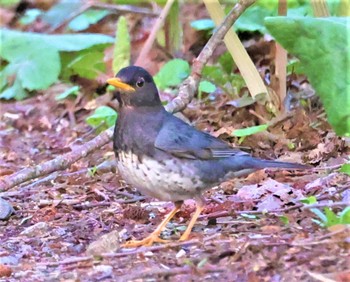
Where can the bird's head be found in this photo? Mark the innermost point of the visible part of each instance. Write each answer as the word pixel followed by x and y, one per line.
pixel 135 87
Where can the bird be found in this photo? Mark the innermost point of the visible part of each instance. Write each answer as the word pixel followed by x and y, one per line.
pixel 166 158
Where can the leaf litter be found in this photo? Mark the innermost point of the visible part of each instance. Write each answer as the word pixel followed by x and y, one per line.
pixel 70 224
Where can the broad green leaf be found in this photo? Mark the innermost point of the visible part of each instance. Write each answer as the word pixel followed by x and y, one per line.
pixel 206 86
pixel 253 19
pixel 121 54
pixel 86 19
pixel 61 42
pixel 249 130
pixel 37 63
pixel 172 73
pixel 88 65
pixel 73 91
pixel 323 48
pixel 203 24
pixel 103 117
pixel 34 58
pixel 345 168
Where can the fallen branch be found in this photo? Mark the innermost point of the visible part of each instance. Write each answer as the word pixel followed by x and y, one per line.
pixel 59 163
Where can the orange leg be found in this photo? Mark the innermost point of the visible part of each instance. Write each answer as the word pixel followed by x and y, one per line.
pixel 154 236
pixel 199 208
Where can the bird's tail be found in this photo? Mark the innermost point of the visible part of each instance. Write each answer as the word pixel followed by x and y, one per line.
pixel 260 164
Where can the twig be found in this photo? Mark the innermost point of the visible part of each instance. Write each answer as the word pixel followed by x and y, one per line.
pixel 59 163
pixel 151 38
pixel 151 249
pixel 283 210
pixel 171 272
pixel 67 261
pixel 124 9
pixel 190 85
pixel 330 205
pixel 72 15
pixel 110 7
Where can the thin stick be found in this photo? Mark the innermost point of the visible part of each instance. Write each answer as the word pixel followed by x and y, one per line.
pixel 190 85
pixel 152 37
pixel 59 163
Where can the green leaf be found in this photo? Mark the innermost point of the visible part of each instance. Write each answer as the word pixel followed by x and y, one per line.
pixel 86 19
pixel 316 42
pixel 215 74
pixel 249 130
pixel 332 218
pixel 345 168
pixel 172 73
pixel 321 215
pixel 30 16
pixel 37 63
pixel 88 65
pixel 309 200
pixel 121 54
pixel 5 3
pixel 345 216
pixel 73 91
pixel 61 11
pixel 16 91
pixel 253 19
pixel 284 219
pixel 103 117
pixel 61 42
pixel 206 86
pixel 34 58
pixel 226 62
pixel 203 24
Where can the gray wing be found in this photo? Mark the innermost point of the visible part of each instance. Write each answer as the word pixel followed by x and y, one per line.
pixel 182 140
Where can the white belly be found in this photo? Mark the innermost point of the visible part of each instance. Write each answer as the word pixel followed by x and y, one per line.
pixel 168 181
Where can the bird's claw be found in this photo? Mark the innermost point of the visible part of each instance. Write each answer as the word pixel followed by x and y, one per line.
pixel 148 241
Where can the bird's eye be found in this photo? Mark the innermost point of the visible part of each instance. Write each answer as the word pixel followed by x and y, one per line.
pixel 140 82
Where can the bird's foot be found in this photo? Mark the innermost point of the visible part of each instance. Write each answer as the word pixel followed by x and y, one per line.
pixel 148 241
pixel 184 237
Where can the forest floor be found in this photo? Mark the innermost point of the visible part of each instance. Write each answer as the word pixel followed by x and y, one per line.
pixel 68 226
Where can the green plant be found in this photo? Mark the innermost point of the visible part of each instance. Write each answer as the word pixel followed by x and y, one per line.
pixel 322 46
pixel 121 54
pixel 244 132
pixel 327 217
pixel 103 118
pixel 35 61
pixel 73 91
pixel 172 74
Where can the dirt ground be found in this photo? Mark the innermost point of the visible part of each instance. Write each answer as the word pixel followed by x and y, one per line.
pixel 68 226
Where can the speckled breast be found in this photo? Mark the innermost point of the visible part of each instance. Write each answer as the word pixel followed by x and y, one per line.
pixel 168 180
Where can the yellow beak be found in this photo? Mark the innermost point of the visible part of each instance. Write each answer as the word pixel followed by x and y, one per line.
pixel 116 82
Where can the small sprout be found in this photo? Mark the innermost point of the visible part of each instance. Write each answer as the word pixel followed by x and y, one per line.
pixel 92 171
pixel 309 200
pixel 71 92
pixel 284 219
